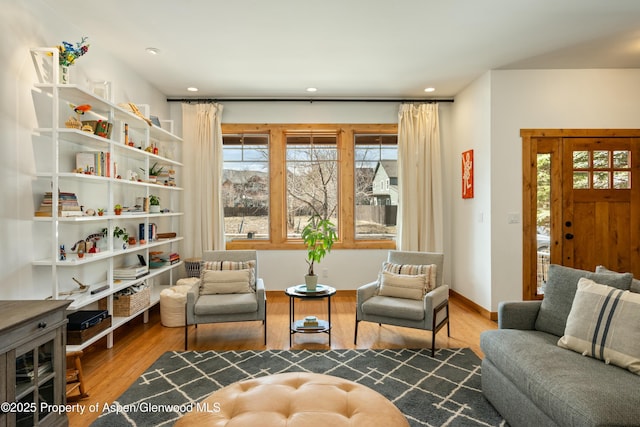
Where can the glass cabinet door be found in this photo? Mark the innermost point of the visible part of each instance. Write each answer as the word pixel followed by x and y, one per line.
pixel 35 374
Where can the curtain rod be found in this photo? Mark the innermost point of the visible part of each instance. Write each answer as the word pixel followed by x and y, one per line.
pixel 309 100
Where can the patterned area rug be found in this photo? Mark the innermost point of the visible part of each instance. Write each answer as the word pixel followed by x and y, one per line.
pixel 431 391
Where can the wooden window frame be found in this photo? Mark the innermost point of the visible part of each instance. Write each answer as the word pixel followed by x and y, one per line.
pixel 278 187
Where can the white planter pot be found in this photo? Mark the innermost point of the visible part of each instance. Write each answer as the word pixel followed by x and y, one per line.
pixel 154 209
pixel 311 282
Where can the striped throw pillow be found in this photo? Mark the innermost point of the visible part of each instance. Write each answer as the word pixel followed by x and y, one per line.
pixel 414 270
pixel 604 324
pixel 231 265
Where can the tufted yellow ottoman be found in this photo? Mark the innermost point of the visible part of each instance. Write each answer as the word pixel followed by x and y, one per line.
pixel 295 399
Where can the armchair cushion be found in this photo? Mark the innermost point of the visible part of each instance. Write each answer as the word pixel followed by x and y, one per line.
pixel 232 265
pixel 402 285
pixel 226 304
pixel 225 282
pixel 401 308
pixel 429 270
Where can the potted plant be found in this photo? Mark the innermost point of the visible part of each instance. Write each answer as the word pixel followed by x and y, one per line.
pixel 318 235
pixel 154 204
pixel 117 209
pixel 120 237
pixel 153 172
pixel 100 212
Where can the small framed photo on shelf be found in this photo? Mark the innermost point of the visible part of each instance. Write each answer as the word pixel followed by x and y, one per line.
pixel 155 120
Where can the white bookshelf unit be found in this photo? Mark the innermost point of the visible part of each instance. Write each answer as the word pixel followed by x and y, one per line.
pixel 120 179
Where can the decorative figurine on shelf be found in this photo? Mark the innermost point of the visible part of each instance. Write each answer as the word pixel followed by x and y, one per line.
pixel 63 253
pixel 80 109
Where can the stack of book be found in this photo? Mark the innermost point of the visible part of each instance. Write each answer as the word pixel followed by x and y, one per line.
pixel 174 258
pixel 310 322
pixel 131 272
pixel 67 205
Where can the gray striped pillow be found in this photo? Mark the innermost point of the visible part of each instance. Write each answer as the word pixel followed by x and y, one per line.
pixel 604 323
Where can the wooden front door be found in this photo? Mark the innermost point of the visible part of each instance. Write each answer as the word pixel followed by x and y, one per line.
pixel 600 203
pixel 591 192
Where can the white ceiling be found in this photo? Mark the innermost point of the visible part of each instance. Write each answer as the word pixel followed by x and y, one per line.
pixel 353 48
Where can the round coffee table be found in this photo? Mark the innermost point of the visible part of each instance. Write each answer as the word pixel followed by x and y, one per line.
pixel 299 326
pixel 295 399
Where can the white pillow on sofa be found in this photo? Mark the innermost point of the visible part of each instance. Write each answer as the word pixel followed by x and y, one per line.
pixel 225 282
pixel 604 323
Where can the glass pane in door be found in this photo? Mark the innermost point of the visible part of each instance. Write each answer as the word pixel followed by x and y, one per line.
pixel 543 219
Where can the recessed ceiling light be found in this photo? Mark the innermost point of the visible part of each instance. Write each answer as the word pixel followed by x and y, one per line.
pixel 430 89
pixel 152 51
pixel 192 89
pixel 312 89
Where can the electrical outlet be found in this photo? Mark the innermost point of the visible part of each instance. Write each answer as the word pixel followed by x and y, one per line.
pixel 325 272
pixel 513 218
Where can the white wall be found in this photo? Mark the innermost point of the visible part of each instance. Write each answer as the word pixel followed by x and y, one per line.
pixel 471 218
pixel 525 99
pixel 25 24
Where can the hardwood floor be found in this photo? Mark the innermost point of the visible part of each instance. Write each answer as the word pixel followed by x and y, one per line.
pixel 109 372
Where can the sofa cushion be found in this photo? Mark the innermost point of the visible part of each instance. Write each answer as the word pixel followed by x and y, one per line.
pixel 402 285
pixel 604 323
pixel 571 389
pixel 561 288
pixel 225 282
pixel 400 308
pixel 635 283
pixel 226 304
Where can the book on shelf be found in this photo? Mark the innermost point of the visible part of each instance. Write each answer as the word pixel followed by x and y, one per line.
pixel 67 205
pixel 302 325
pixel 130 272
pixel 94 163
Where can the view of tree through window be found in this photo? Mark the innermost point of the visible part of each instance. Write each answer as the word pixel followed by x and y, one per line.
pixel 278 175
pixel 245 186
pixel 376 186
pixel 312 179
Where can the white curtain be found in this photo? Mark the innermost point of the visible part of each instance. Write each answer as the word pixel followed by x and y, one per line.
pixel 420 207
pixel 202 155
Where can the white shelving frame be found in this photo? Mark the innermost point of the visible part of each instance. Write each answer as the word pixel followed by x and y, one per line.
pixel 57 136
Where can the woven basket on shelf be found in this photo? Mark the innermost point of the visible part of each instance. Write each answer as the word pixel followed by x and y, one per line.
pixel 126 305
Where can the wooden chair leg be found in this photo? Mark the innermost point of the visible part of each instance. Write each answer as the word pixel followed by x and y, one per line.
pixel 75 378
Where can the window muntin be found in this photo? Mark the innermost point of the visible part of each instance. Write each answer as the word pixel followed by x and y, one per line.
pixel 376 186
pixel 245 186
pixel 312 179
pixel 602 169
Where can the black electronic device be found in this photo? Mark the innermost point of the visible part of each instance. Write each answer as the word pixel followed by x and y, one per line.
pixel 83 319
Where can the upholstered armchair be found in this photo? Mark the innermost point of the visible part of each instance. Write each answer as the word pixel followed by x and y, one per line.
pixel 396 298
pixel 229 290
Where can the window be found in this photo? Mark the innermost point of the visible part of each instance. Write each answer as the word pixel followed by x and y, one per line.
pixel 376 186
pixel 278 175
pixel 245 186
pixel 312 180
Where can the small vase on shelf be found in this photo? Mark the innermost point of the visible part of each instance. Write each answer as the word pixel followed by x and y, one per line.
pixel 64 75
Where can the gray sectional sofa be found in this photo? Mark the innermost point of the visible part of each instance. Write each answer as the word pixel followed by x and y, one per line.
pixel 532 381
